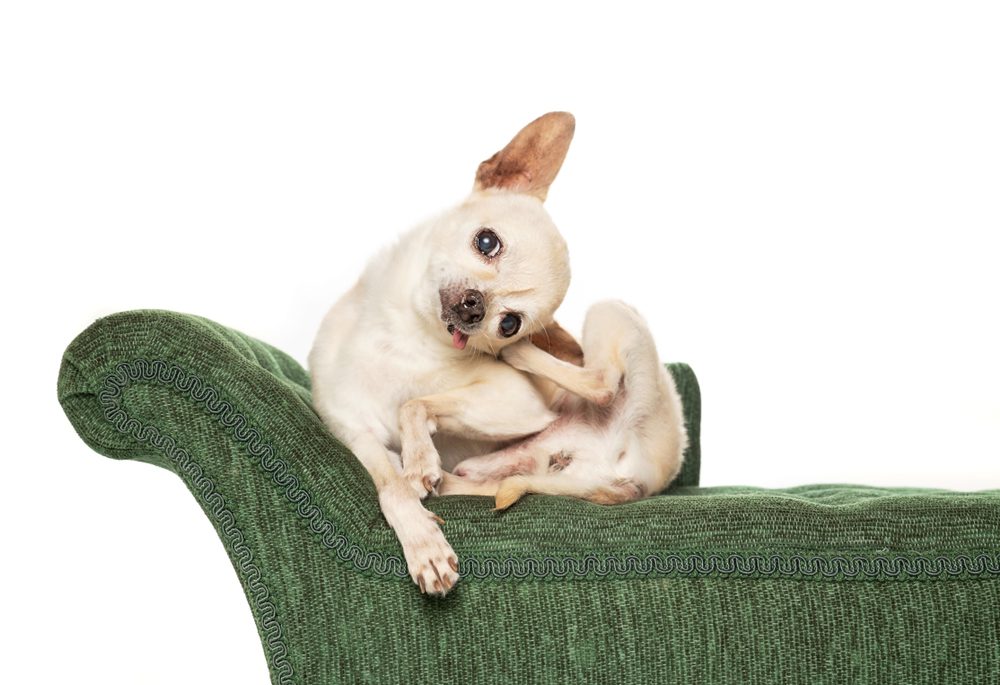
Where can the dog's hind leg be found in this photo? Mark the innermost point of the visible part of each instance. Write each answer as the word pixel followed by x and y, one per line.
pixel 599 491
pixel 484 474
pixel 453 485
pixel 528 456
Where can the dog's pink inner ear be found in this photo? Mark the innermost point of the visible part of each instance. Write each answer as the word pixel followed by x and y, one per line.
pixel 555 340
pixel 532 159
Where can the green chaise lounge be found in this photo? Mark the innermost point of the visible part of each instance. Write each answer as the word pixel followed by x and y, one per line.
pixel 813 584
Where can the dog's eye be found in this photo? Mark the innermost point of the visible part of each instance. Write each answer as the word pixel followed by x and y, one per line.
pixel 488 243
pixel 509 325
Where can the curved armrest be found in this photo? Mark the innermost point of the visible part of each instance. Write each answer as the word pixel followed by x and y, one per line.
pixel 173 389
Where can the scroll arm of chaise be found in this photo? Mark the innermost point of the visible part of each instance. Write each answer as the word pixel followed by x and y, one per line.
pixel 214 406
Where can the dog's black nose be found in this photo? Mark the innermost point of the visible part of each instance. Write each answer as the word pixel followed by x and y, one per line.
pixel 471 308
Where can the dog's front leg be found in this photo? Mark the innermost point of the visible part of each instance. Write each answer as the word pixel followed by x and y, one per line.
pixel 503 407
pixel 421 461
pixel 429 558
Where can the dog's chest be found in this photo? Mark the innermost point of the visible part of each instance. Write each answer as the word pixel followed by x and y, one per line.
pixel 400 372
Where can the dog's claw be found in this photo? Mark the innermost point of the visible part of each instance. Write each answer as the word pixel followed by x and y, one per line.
pixel 431 482
pixel 425 479
pixel 425 548
pixel 434 578
pixel 437 518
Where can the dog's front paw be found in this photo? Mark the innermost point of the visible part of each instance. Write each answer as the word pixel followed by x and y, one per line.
pixel 423 476
pixel 430 560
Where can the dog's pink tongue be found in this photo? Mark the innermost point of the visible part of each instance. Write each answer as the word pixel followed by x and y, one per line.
pixel 458 339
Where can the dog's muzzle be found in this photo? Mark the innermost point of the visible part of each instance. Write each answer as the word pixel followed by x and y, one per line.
pixel 462 310
pixel 471 308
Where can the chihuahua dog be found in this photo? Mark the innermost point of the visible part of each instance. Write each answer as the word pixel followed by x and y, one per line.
pixel 446 350
pixel 404 367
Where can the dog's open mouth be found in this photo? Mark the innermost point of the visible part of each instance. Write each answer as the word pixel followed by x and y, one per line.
pixel 458 338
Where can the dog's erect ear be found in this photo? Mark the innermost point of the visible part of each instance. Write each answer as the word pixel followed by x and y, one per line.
pixel 532 159
pixel 556 341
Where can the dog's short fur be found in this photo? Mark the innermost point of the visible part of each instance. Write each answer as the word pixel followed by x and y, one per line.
pixel 407 371
pixel 620 433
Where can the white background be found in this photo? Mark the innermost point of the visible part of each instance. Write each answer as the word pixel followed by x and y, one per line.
pixel 803 201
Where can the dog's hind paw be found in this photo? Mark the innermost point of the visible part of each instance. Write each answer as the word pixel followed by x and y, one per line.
pixel 598 386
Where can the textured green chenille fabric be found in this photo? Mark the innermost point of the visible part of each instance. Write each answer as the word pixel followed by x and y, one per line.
pixel 814 584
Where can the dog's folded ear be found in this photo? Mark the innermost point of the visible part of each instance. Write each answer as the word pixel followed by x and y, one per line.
pixel 532 159
pixel 556 341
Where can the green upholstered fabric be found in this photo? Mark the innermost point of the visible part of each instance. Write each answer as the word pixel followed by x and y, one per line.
pixel 814 584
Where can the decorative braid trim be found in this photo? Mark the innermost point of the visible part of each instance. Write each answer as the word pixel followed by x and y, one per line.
pixel 549 568
pixel 205 491
pixel 748 565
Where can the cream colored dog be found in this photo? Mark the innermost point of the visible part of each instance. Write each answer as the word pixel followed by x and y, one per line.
pixel 407 367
